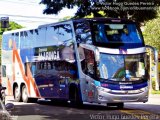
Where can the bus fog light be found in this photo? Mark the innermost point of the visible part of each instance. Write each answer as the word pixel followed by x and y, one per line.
pixel 100 97
pixel 134 91
pixel 137 91
pixel 104 89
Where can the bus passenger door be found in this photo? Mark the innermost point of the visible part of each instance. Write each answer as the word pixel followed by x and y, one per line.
pixel 87 60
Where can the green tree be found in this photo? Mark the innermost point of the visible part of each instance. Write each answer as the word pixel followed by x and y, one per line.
pixel 12 26
pixel 65 18
pixel 152 32
pixel 92 7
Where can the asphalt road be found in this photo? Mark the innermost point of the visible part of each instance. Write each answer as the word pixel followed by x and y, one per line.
pixel 45 110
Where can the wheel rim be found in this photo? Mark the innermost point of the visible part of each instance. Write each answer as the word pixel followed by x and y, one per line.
pixel 3 97
pixel 24 94
pixel 16 93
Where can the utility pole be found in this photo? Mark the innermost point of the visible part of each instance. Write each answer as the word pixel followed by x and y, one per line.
pixel 154 74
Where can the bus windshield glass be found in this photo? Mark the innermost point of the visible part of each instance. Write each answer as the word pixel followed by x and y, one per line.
pixel 122 67
pixel 116 33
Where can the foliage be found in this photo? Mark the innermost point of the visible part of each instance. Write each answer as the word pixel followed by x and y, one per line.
pixel 12 26
pixel 65 18
pixel 155 92
pixel 92 7
pixel 152 32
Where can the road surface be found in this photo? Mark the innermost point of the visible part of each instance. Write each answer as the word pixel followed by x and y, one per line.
pixel 45 110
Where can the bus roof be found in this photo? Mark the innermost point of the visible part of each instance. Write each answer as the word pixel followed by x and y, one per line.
pixel 105 19
pixel 51 24
pixel 110 20
pixel 19 30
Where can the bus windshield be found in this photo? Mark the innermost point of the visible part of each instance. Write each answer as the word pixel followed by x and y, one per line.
pixel 122 68
pixel 116 33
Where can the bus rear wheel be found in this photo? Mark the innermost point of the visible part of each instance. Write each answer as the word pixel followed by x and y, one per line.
pixel 25 97
pixel 17 94
pixel 25 94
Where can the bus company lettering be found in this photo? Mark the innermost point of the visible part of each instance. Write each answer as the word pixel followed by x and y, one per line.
pixel 42 49
pixel 126 87
pixel 50 55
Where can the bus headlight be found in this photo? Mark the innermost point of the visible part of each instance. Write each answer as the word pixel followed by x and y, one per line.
pixel 138 91
pixel 143 89
pixel 103 89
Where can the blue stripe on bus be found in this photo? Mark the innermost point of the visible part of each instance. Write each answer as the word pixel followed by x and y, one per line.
pixel 126 87
pixel 97 83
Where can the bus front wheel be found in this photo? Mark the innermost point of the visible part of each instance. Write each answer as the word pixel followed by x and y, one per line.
pixel 75 98
pixel 118 105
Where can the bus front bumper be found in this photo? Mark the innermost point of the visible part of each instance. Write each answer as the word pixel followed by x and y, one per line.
pixel 115 96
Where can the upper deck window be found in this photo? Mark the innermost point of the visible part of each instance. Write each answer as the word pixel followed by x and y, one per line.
pixel 120 34
pixel 83 32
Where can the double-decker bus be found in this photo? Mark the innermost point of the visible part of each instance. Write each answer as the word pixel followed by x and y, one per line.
pixel 98 60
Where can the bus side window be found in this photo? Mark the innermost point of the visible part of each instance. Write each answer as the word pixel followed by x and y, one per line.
pixel 65 33
pixel 83 33
pixel 72 70
pixel 30 68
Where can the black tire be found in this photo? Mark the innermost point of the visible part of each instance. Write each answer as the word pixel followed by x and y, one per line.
pixel 118 105
pixel 75 98
pixel 25 97
pixel 33 100
pixel 25 94
pixel 17 95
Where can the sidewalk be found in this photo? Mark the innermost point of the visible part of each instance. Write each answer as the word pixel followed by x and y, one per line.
pixel 154 99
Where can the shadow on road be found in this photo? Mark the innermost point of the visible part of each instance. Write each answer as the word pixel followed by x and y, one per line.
pixel 88 106
pixel 60 110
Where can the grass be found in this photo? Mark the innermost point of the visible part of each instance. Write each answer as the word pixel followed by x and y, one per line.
pixel 155 92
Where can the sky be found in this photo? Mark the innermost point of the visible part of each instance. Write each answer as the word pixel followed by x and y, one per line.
pixel 29 12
